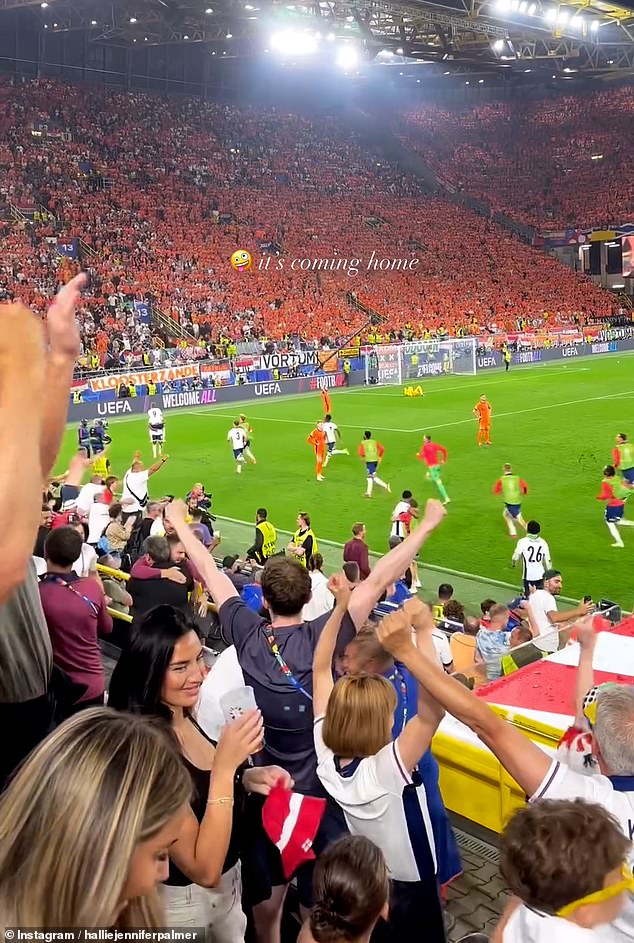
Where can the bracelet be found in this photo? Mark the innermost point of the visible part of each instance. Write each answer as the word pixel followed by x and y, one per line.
pixel 224 800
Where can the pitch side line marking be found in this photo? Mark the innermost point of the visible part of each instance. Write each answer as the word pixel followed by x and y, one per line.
pixel 444 425
pixel 377 555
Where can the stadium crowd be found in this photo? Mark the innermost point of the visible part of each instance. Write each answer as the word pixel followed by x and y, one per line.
pixel 557 163
pixel 304 754
pixel 159 204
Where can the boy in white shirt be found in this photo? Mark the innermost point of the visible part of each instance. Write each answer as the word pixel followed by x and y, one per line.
pixel 565 863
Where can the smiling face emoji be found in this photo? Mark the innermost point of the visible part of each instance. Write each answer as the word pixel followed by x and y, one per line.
pixel 241 260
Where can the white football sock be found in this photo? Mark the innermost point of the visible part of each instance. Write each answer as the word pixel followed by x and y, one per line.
pixel 615 532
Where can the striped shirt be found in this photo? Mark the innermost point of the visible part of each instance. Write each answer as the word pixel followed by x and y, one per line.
pixel 26 658
pixel 382 801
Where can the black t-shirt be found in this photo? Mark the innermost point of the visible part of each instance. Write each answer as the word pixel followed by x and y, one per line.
pixel 40 540
pixel 200 782
pixel 147 594
pixel 287 712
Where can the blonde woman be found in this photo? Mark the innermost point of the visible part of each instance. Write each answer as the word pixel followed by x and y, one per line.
pixel 374 779
pixel 86 824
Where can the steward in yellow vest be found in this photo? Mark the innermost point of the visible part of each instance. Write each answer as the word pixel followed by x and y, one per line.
pixel 304 543
pixel 265 545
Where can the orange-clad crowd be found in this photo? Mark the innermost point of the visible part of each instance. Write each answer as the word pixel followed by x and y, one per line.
pixel 555 163
pixel 163 191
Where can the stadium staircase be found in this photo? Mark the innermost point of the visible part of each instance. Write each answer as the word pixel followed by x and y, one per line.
pixel 374 318
pixel 625 301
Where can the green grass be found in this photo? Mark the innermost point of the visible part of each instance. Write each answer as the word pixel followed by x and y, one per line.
pixel 556 424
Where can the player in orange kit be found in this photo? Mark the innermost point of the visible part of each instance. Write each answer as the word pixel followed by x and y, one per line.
pixel 325 399
pixel 482 411
pixel 317 439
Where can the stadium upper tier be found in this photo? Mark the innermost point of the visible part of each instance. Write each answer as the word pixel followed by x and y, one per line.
pixel 560 163
pixel 164 191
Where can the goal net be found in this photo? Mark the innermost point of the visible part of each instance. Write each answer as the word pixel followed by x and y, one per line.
pixel 405 363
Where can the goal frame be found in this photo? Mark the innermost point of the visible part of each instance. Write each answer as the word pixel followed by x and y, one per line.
pixel 390 364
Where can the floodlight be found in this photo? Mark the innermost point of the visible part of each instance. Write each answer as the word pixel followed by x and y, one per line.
pixel 347 57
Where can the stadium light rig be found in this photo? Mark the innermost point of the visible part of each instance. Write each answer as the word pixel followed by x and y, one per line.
pixel 346 58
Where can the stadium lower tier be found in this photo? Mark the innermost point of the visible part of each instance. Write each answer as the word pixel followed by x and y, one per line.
pixel 539 700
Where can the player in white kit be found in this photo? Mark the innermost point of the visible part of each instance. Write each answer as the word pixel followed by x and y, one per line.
pixel 534 553
pixel 332 434
pixel 156 428
pixel 238 438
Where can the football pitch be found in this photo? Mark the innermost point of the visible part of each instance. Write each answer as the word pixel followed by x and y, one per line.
pixel 555 424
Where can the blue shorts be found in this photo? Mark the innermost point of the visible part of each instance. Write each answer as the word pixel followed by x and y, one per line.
pixel 237 453
pixel 371 468
pixel 514 509
pixel 628 474
pixel 97 447
pixel 331 446
pixel 614 513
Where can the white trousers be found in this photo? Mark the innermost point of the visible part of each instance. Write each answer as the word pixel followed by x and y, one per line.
pixel 218 910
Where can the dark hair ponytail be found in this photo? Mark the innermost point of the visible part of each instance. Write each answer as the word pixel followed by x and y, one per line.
pixel 351 888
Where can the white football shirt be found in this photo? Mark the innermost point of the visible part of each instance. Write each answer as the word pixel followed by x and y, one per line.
pixel 372 794
pixel 155 416
pixel 541 604
pixel 529 926
pixel 398 528
pixel 330 428
pixel 561 782
pixel 535 555
pixel 237 438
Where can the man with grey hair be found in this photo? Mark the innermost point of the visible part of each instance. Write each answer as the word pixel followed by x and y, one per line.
pixel 540 775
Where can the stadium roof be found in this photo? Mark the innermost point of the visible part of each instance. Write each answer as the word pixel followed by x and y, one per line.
pixel 578 36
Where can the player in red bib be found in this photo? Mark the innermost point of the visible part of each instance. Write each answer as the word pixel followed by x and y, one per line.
pixel 434 456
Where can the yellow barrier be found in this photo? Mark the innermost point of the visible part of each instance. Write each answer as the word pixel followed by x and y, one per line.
pixel 473 782
pixel 114 574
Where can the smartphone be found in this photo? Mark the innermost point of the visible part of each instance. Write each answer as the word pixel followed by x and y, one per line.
pixel 587 598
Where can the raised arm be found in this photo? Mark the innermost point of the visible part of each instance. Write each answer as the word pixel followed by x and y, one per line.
pixel 587 638
pixel 21 472
pixel 325 649
pixel 417 734
pixel 393 565
pixel 152 470
pixel 522 759
pixel 219 585
pixel 64 347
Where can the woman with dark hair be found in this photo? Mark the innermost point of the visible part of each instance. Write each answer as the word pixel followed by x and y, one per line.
pixel 352 890
pixel 160 673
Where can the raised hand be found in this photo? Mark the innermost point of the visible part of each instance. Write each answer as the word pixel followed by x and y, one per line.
pixel 22 336
pixel 239 740
pixel 63 332
pixel 585 632
pixel 394 632
pixel 419 614
pixel 338 586
pixel 176 512
pixel 435 511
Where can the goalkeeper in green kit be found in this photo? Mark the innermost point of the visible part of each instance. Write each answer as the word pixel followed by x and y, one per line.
pixel 511 487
